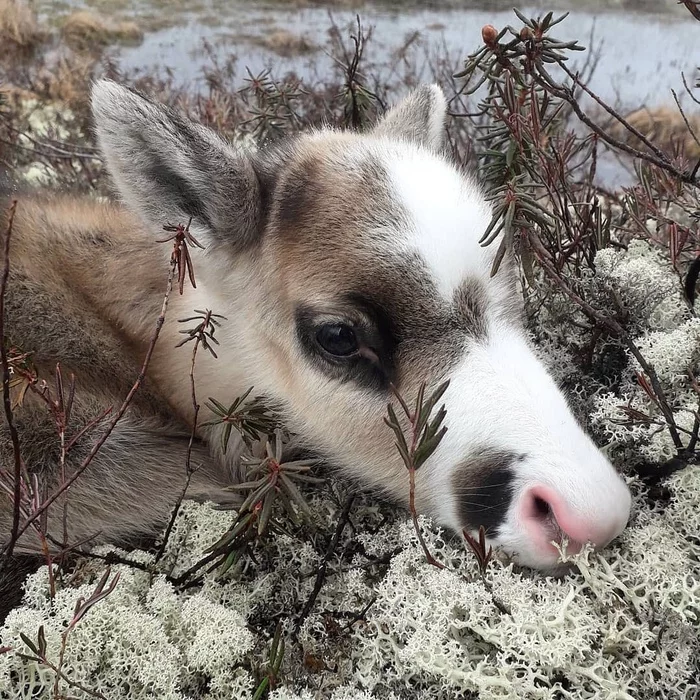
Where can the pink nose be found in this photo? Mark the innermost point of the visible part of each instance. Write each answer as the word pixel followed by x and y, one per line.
pixel 546 516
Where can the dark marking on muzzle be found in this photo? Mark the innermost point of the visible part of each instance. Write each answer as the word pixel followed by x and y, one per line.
pixel 483 487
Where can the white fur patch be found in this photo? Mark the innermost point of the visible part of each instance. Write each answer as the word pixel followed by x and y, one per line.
pixel 501 396
pixel 447 216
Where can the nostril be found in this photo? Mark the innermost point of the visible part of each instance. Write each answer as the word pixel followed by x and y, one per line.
pixel 542 508
pixel 537 508
pixel 545 517
pixel 548 516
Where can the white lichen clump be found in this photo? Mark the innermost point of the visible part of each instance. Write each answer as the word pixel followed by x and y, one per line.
pixel 669 341
pixel 626 626
pixel 623 624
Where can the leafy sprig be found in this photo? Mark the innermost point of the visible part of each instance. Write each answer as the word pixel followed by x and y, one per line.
pixel 204 331
pixel 424 436
pixel 252 419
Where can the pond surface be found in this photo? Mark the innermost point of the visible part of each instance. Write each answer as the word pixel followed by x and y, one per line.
pixel 641 53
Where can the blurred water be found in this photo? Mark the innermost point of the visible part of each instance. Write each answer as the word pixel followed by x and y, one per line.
pixel 641 54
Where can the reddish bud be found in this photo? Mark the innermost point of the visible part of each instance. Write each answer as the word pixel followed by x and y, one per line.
pixel 489 34
pixel 525 34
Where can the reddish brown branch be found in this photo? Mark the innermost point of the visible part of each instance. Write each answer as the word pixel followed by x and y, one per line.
pixel 321 574
pixel 14 536
pixel 617 330
pixel 188 459
pixel 656 158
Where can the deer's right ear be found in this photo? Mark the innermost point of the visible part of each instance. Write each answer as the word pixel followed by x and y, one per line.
pixel 167 168
pixel 419 117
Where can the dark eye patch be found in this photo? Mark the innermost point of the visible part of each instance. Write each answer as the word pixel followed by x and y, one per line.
pixel 372 364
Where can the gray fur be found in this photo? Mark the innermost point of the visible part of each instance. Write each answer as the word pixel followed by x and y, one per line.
pixel 167 168
pixel 419 118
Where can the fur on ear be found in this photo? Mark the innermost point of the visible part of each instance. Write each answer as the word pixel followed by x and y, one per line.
pixel 168 168
pixel 419 117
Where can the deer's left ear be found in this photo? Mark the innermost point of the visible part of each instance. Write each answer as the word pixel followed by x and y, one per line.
pixel 419 117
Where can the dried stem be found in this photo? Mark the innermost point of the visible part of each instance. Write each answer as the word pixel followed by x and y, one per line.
pixel 189 471
pixel 321 573
pixel 656 158
pixel 18 466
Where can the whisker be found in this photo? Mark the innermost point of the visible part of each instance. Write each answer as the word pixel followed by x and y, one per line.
pixel 481 489
pixel 481 506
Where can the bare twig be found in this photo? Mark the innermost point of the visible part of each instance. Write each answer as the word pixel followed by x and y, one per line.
pixel 321 574
pixel 657 158
pixel 18 466
pixel 199 336
pixel 617 330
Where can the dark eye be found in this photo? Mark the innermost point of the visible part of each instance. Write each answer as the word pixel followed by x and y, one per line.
pixel 337 339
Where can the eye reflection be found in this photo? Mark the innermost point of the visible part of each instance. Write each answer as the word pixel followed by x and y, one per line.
pixel 337 339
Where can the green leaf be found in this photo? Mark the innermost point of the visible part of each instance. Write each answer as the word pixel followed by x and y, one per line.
pixel 428 447
pixel 255 496
pixel 230 560
pixel 419 401
pixel 41 638
pixel 522 18
pixel 220 408
pixel 225 437
pixel 497 214
pixel 429 405
pixel 225 540
pixel 266 511
pixel 500 254
pixel 295 494
pixel 246 485
pixel 508 219
pixel 261 688
pixel 288 507
pixel 29 643
pixel 432 428
pixel 394 424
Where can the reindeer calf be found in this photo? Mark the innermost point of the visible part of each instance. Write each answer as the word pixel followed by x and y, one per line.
pixel 343 263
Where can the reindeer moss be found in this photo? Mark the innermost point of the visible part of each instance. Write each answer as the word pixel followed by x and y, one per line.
pixel 624 625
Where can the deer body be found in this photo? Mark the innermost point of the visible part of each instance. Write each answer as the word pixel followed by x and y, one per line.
pixel 343 263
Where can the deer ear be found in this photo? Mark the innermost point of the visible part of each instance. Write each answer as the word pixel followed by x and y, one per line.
pixel 419 117
pixel 169 169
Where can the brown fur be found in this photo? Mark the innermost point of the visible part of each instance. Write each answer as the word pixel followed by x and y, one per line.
pixel 85 290
pixel 86 287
